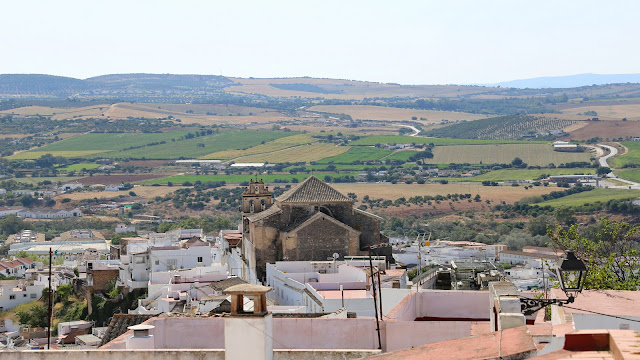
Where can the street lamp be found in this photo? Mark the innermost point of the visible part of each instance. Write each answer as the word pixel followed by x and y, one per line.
pixel 571 272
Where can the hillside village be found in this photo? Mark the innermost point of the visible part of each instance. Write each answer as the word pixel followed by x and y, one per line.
pixel 328 180
pixel 301 260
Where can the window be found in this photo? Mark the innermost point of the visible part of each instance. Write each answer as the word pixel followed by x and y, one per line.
pixel 12 297
pixel 24 295
pixel 199 259
pixel 33 296
pixel 171 263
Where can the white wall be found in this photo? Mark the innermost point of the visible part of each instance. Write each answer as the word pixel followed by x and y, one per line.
pixel 9 298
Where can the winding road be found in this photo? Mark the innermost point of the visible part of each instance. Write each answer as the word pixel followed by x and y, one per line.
pixel 603 162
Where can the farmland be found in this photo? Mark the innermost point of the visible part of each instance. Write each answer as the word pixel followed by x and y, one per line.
pixel 393 191
pixel 79 167
pixel 302 153
pixel 96 143
pixel 271 146
pixel 524 174
pixel 397 139
pixel 632 157
pixel 532 154
pixel 512 127
pixel 608 111
pixel 592 196
pixel 34 154
pixel 402 155
pixel 357 154
pixel 605 130
pixel 234 179
pixel 370 112
pixel 147 192
pixel 150 146
pixel 632 175
pixel 54 180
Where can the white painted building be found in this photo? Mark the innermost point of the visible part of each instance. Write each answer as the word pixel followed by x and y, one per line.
pixel 123 229
pixel 10 210
pixel 160 253
pixel 521 257
pixel 322 286
pixel 68 250
pixel 48 213
pixel 71 186
pixel 16 292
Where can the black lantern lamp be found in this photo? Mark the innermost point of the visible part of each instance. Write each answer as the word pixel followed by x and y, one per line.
pixel 571 273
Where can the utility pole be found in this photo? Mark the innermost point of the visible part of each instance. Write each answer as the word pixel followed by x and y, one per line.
pixel 375 305
pixel 419 262
pixel 380 293
pixel 50 307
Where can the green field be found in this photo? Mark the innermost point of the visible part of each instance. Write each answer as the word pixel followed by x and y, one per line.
pixel 271 146
pixel 113 145
pixel 34 154
pixel 632 157
pixel 532 154
pixel 98 143
pixel 235 179
pixel 302 153
pixel 632 175
pixel 397 139
pixel 524 174
pixel 402 155
pixel 592 196
pixel 36 180
pixel 360 153
pixel 79 167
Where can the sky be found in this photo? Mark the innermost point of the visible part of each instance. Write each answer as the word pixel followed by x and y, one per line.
pixel 408 42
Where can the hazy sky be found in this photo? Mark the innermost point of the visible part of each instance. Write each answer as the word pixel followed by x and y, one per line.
pixel 410 42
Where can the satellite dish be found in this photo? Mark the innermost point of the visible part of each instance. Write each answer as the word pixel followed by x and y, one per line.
pixel 336 256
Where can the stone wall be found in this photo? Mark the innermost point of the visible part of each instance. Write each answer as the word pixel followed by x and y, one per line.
pixel 319 241
pixel 178 354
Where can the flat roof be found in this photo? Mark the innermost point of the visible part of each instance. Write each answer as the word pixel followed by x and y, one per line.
pixel 610 302
pixel 348 294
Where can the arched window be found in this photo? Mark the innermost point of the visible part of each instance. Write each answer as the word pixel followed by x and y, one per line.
pixel 251 206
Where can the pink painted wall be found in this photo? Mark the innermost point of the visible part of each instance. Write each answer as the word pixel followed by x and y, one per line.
pixel 324 334
pixel 405 334
pixel 442 304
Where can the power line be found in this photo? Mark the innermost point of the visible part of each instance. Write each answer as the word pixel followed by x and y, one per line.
pixel 603 314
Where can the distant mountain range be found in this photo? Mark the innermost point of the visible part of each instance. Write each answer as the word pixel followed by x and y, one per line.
pixel 60 86
pixel 570 81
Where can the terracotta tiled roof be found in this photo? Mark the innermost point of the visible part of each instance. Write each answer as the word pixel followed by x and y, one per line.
pixel 119 324
pixel 529 254
pixel 312 190
pixel 514 343
pixel 227 283
pixel 273 210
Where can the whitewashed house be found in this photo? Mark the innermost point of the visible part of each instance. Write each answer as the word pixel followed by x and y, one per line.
pixel 16 292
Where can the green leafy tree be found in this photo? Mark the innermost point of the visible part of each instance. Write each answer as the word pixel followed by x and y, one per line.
pixel 36 316
pixel 610 254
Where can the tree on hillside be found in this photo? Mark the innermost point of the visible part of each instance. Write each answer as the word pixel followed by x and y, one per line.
pixel 36 316
pixel 610 253
pixel 603 170
pixel 422 155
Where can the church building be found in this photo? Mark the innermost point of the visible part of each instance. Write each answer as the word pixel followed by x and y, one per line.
pixel 310 222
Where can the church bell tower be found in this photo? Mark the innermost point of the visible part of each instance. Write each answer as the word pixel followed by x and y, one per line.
pixel 256 197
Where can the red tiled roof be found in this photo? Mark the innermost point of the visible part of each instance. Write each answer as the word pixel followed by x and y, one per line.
pixel 529 254
pixel 510 343
pixel 25 260
pixel 610 302
pixel 11 264
pixel 312 190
